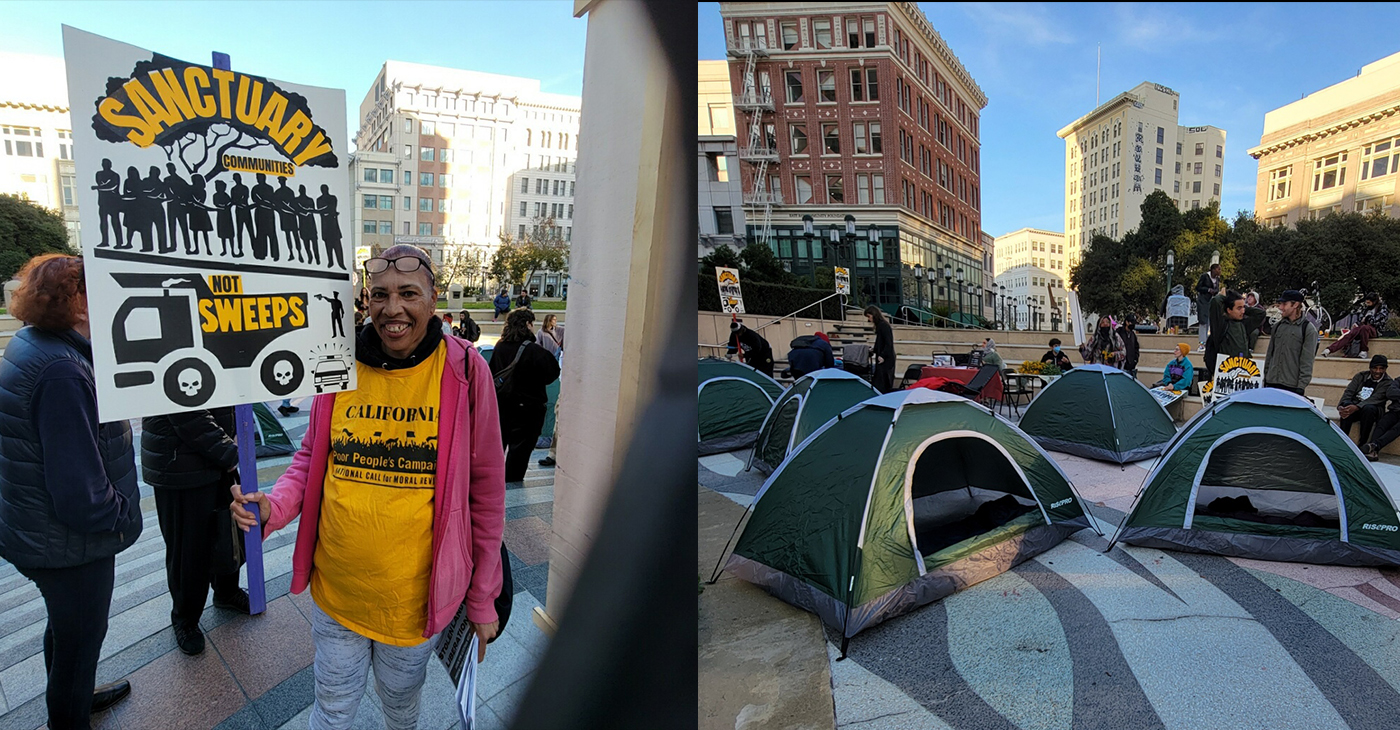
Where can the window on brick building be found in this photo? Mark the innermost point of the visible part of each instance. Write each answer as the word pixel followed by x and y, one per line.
pixel 831 139
pixel 799 139
pixel 826 86
pixel 789 31
pixel 857 85
pixel 835 189
pixel 821 27
pixel 794 86
pixel 804 188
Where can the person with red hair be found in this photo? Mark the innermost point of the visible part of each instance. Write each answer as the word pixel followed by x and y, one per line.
pixel 68 492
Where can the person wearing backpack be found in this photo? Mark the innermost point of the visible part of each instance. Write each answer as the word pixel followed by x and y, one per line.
pixel 400 488
pixel 521 369
pixel 468 329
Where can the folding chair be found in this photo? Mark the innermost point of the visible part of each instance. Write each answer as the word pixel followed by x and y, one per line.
pixel 1012 395
pixel 985 375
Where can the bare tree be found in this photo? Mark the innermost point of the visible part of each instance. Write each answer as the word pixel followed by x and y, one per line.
pixel 519 257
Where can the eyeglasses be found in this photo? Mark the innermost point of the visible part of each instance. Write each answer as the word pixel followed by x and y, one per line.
pixel 406 264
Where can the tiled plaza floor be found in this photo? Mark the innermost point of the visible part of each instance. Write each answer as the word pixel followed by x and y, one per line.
pixel 1081 639
pixel 255 673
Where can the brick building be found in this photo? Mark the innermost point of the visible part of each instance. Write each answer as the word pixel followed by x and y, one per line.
pixel 858 110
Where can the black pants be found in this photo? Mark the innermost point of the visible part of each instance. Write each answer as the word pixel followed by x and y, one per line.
pixel 1387 429
pixel 77 600
pixel 521 425
pixel 197 555
pixel 1366 416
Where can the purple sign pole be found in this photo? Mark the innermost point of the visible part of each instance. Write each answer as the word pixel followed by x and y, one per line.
pixel 248 472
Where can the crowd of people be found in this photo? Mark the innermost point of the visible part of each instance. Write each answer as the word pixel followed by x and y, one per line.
pixel 373 544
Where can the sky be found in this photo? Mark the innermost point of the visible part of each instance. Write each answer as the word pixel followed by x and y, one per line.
pixel 1231 64
pixel 339 45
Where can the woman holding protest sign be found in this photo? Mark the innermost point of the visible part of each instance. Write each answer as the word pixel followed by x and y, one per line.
pixel 68 493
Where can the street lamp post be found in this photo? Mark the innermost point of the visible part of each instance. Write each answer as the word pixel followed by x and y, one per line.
pixel 1171 263
pixel 960 297
pixel 919 289
pixel 948 285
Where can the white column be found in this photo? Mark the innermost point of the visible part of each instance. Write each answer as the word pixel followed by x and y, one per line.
pixel 631 209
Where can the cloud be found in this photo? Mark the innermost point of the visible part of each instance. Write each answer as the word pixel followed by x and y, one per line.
pixel 1027 24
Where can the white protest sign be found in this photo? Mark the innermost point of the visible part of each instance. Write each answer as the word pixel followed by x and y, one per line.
pixel 1232 375
pixel 210 202
pixel 731 297
pixel 843 281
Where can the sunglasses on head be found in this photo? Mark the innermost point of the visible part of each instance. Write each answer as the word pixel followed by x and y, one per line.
pixel 406 264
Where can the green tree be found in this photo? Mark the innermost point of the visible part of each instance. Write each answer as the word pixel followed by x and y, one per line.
pixel 1098 277
pixel 755 263
pixel 27 230
pixel 1160 226
pixel 519 257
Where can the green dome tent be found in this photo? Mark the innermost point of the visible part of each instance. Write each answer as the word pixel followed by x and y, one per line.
pixel 901 500
pixel 1263 474
pixel 1099 413
pixel 811 401
pixel 732 401
pixel 269 439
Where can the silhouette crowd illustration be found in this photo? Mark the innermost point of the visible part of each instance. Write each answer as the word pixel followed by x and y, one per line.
pixel 159 210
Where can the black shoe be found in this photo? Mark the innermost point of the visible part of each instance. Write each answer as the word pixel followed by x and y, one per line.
pixel 109 694
pixel 233 601
pixel 547 461
pixel 1372 453
pixel 190 639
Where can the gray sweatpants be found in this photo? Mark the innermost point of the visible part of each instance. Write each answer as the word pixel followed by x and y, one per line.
pixel 342 659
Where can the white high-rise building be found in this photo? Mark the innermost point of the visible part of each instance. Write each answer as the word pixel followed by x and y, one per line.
pixel 36 138
pixel 1127 148
pixel 1032 274
pixel 462 157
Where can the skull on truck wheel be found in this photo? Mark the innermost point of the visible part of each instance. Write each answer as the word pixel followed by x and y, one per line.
pixel 282 372
pixel 190 381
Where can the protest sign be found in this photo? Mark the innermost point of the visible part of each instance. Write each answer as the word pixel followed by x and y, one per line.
pixel 731 297
pixel 1232 375
pixel 843 280
pixel 210 205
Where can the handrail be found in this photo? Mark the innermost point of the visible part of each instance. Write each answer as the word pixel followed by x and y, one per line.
pixel 821 313
pixel 960 325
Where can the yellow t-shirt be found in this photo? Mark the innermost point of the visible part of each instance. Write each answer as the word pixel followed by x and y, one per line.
pixel 374 551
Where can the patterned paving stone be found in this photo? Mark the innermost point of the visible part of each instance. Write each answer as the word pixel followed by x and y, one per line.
pixel 528 539
pixel 162 693
pixel 262 651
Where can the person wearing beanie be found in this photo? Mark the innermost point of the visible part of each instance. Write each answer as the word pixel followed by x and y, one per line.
pixel 753 350
pixel 1363 401
pixel 1178 374
pixel 1288 363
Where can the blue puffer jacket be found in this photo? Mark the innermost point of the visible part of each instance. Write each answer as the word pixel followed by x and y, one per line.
pixel 68 492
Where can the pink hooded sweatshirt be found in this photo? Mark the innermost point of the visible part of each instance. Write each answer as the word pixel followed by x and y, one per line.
pixel 468 499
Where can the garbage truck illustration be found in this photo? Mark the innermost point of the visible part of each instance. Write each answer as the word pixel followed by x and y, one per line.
pixel 190 331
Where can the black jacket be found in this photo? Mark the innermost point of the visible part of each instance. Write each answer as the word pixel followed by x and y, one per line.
pixel 1205 288
pixel 68 493
pixel 755 350
pixel 884 343
pixel 184 450
pixel 1130 344
pixel 536 369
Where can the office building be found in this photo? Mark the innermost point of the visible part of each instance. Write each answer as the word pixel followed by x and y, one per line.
pixel 1128 148
pixel 468 156
pixel 1335 150
pixel 36 161
pixel 1032 275
pixel 721 195
pixel 857 120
